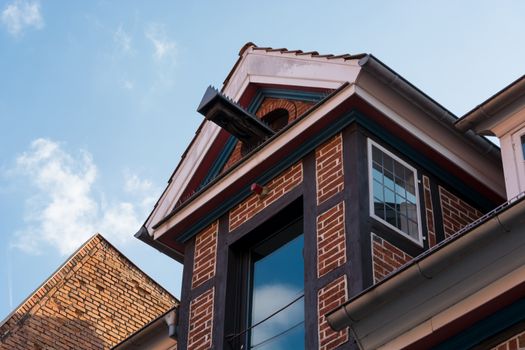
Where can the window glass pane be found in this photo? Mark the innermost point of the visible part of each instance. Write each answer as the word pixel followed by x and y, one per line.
pixel 389 196
pixel 377 174
pixel 378 191
pixel 278 287
pixel 377 155
pixel 394 192
pixel 388 163
pixel 379 208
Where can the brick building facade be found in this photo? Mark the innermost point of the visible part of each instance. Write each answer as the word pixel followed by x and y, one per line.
pixel 337 155
pixel 96 299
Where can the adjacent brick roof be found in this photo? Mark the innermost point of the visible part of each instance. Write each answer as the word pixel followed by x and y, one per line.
pixel 96 299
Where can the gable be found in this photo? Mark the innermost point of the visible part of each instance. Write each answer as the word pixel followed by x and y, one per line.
pixel 323 90
pixel 95 300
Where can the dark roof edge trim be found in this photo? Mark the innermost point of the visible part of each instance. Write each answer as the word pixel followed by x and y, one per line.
pixel 426 103
pixel 145 237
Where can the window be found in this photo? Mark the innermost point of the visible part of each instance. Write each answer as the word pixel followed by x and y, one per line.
pixel 393 192
pixel 277 293
pixel 265 293
pixel 276 119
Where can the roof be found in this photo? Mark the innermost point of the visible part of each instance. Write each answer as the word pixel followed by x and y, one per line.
pixel 95 288
pixel 263 66
pixel 446 265
pixel 489 108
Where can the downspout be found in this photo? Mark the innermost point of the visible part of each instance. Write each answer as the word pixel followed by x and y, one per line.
pixel 172 320
pixel 377 68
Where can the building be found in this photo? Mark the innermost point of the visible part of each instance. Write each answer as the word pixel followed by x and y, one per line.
pixel 95 300
pixel 325 202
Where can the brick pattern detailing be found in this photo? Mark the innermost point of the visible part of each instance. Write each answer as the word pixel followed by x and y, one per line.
pixel 234 157
pixel 329 297
pixel 456 213
pixel 386 258
pixel 280 185
pixel 329 168
pixel 294 108
pixel 331 243
pixel 517 342
pixel 94 301
pixel 205 255
pixel 429 212
pixel 201 321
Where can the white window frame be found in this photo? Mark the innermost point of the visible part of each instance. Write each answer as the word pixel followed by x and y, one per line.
pixel 418 241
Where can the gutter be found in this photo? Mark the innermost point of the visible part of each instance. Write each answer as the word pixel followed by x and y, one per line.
pixel 492 105
pixel 393 80
pixel 427 265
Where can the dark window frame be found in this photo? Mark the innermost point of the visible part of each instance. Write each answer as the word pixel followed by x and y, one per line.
pixel 240 265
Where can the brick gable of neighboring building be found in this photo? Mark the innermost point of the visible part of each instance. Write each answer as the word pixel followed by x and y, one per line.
pixel 94 301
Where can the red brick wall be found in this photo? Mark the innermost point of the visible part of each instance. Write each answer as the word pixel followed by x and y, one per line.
pixel 294 108
pixel 201 321
pixel 94 301
pixel 456 212
pixel 329 297
pixel 205 255
pixel 234 157
pixel 517 342
pixel 280 185
pixel 329 168
pixel 429 212
pixel 331 243
pixel 386 258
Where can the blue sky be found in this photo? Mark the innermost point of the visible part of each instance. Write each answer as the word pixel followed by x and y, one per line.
pixel 98 99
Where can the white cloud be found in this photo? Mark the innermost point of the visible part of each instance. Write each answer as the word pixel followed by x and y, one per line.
pixel 64 212
pixel 164 47
pixel 20 14
pixel 122 40
pixel 268 299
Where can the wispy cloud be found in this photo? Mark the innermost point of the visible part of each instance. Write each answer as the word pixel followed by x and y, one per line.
pixel 122 39
pixel 64 212
pixel 21 14
pixel 164 47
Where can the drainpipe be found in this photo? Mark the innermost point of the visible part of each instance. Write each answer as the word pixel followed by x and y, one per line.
pixel 171 319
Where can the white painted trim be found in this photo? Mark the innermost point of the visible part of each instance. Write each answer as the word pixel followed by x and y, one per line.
pixel 302 82
pixel 371 143
pixel 280 141
pixel 184 174
pixel 429 140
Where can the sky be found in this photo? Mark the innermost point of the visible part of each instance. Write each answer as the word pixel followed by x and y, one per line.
pixel 98 100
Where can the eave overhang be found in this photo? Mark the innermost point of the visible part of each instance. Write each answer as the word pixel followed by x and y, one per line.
pixel 485 116
pixel 257 165
pixel 463 276
pixel 256 67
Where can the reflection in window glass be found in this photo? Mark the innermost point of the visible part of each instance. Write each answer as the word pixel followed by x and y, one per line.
pixel 277 314
pixel 394 192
